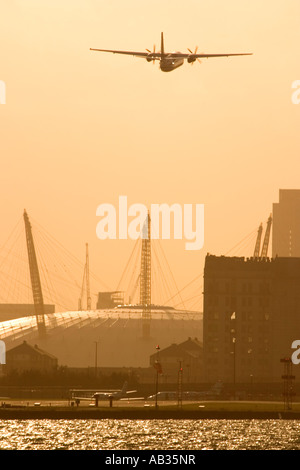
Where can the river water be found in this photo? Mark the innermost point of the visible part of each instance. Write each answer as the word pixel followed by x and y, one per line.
pixel 150 434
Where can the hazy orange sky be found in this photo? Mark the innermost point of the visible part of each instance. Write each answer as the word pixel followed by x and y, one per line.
pixel 81 128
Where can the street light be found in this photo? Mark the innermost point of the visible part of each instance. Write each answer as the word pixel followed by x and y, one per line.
pixel 233 332
pixel 234 366
pixel 96 358
pixel 158 368
pixel 251 381
pixel 180 371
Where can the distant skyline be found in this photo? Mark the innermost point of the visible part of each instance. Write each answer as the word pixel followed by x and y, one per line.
pixel 80 129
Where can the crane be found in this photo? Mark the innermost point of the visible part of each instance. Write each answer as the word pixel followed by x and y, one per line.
pixel 264 251
pixel 258 241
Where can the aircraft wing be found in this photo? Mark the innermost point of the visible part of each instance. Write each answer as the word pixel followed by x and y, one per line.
pixel 154 55
pixel 132 399
pixel 203 56
pixel 158 55
pixel 83 398
pixel 94 390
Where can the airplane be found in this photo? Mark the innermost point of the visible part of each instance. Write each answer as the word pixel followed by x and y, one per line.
pixel 169 61
pixel 116 394
pixel 214 392
pixel 104 394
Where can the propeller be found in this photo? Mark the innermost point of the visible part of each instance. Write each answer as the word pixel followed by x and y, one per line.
pixel 191 60
pixel 151 52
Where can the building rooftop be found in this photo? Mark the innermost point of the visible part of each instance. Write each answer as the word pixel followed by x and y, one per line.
pixel 28 347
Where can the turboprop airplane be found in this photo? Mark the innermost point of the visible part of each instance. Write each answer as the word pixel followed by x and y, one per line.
pixel 116 395
pixel 102 394
pixel 169 61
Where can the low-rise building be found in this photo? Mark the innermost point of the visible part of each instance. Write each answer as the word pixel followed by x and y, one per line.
pixel 26 357
pixel 186 355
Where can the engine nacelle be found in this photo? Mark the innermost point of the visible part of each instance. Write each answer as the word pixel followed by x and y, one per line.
pixel 191 59
pixel 149 58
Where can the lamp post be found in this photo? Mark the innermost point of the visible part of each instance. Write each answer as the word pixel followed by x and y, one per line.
pixel 251 381
pixel 96 357
pixel 180 385
pixel 233 332
pixel 234 367
pixel 157 370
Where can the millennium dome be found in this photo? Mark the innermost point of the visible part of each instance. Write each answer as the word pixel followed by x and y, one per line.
pixel 116 334
pixel 72 336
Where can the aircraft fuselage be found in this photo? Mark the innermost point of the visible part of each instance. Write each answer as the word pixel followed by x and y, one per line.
pixel 169 63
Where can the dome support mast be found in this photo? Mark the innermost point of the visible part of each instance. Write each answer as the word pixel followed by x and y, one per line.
pixel 145 278
pixel 35 279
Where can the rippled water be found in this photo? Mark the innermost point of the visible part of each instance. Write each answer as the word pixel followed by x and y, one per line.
pixel 149 434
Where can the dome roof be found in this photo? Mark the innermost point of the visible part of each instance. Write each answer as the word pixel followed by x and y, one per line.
pixel 71 336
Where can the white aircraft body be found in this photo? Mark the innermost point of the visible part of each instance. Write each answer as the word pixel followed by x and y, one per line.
pixel 116 395
pixel 103 394
pixel 169 61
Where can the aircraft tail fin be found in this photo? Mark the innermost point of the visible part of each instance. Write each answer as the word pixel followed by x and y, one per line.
pixel 162 47
pixel 125 386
